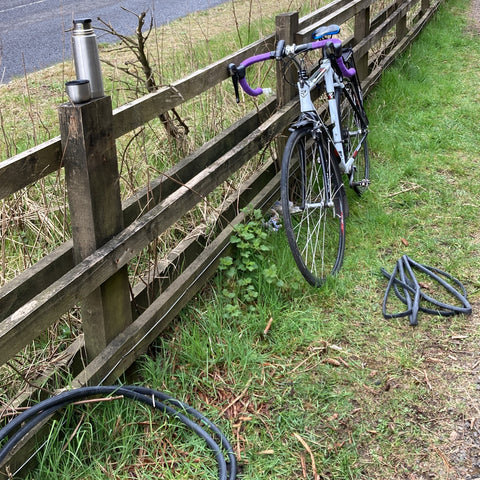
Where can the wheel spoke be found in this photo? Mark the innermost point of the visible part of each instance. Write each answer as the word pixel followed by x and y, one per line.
pixel 354 131
pixel 313 206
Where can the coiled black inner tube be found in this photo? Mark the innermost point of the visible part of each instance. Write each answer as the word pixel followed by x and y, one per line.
pixel 408 290
pixel 16 429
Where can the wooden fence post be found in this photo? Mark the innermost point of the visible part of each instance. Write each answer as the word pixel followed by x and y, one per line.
pixel 361 30
pixel 92 178
pixel 286 27
pixel 401 28
pixel 425 5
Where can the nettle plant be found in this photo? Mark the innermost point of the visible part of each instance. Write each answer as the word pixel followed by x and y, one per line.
pixel 250 268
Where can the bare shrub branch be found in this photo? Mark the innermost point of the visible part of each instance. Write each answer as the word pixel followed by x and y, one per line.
pixel 174 125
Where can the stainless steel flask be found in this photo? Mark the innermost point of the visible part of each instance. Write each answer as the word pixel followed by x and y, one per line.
pixel 85 55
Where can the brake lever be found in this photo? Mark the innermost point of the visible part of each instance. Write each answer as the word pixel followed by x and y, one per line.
pixel 233 71
pixel 279 51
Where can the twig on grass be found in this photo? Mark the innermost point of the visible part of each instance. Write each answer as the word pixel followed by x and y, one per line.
pixel 305 360
pixel 426 380
pixel 236 399
pixel 413 186
pixel 447 464
pixel 97 400
pixel 67 443
pixel 269 324
pixel 309 451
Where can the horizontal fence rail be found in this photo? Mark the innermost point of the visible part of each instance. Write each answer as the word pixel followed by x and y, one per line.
pixel 37 297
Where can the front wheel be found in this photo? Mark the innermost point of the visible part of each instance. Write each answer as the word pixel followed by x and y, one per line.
pixel 313 206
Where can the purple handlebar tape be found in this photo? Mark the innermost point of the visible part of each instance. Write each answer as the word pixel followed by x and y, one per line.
pixel 346 72
pixel 246 63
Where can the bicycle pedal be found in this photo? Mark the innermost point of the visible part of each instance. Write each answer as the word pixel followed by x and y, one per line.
pixel 361 183
pixel 277 208
pixel 293 208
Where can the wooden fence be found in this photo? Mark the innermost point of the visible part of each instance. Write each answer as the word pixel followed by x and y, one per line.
pixel 91 269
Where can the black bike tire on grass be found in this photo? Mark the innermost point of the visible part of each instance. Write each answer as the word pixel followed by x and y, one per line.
pixel 316 235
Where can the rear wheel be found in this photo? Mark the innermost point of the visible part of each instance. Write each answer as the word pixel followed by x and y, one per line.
pixel 354 133
pixel 313 206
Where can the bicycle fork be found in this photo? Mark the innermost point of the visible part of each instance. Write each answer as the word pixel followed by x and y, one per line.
pixel 327 196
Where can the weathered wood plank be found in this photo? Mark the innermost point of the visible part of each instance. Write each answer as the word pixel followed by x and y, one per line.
pixel 28 167
pixel 50 268
pixel 401 26
pixel 32 319
pixel 93 184
pixel 338 16
pixel 141 111
pixel 376 35
pixel 361 30
pixel 33 280
pixel 286 26
pixel 130 344
pixel 317 17
pixel 425 7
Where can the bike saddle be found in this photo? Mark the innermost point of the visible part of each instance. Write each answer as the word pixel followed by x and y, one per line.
pixel 325 31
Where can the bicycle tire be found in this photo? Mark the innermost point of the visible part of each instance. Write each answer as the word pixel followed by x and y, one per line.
pixel 315 231
pixel 354 124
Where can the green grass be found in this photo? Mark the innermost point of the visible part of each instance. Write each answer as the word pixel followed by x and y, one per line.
pixel 370 398
pixel 126 447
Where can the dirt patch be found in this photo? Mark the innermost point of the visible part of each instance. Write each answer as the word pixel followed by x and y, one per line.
pixel 461 455
pixel 461 451
pixel 474 26
pixel 448 415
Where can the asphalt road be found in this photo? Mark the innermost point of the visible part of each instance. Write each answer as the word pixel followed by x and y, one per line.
pixel 33 33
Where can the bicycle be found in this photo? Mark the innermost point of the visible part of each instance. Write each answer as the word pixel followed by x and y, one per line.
pixel 318 151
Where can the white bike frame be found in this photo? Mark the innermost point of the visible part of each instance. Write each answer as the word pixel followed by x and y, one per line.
pixel 332 80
